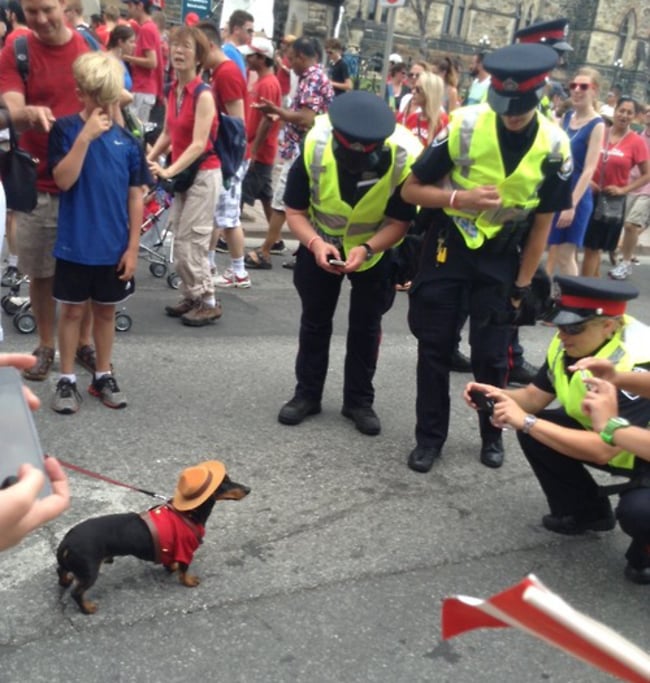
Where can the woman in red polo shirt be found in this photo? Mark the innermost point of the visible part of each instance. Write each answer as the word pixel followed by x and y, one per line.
pixel 190 127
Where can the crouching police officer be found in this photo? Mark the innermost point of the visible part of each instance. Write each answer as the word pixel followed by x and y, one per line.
pixel 497 178
pixel 558 443
pixel 344 206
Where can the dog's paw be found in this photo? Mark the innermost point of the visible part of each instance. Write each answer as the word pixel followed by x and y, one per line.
pixel 190 581
pixel 88 607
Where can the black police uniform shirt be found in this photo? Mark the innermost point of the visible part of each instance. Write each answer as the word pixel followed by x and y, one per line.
pixel 554 194
pixel 297 194
pixel 631 407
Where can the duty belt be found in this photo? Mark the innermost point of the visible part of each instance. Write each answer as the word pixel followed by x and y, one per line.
pixel 639 481
pixel 336 240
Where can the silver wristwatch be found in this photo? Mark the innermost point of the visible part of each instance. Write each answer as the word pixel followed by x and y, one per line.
pixel 529 422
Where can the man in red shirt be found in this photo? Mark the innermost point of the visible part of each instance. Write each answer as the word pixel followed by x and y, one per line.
pixel 262 131
pixel 147 62
pixel 231 94
pixel 49 93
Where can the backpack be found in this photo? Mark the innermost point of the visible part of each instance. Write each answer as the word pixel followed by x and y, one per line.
pixel 230 143
pixel 21 53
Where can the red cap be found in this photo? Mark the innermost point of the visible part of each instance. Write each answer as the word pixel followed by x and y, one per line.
pixel 192 19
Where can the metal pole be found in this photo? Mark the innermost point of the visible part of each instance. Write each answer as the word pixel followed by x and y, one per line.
pixel 388 48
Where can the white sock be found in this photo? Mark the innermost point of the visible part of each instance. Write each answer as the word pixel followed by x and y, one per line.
pixel 210 302
pixel 237 265
pixel 99 375
pixel 71 378
pixel 212 259
pixel 12 260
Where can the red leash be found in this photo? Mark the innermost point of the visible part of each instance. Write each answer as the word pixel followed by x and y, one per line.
pixel 95 475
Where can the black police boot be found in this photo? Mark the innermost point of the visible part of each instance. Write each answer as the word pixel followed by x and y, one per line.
pixel 522 374
pixel 460 362
pixel 297 409
pixel 421 458
pixel 492 452
pixel 572 525
pixel 364 417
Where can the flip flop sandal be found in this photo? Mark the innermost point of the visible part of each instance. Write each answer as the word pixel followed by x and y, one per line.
pixel 257 261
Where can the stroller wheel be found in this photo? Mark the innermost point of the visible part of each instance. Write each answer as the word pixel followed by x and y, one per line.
pixel 25 322
pixel 8 306
pixel 174 280
pixel 123 322
pixel 157 269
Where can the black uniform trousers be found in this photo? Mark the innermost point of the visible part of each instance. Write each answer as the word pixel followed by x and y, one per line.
pixel 571 490
pixel 475 282
pixel 372 294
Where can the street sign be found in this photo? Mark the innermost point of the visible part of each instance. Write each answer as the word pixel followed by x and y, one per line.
pixel 392 3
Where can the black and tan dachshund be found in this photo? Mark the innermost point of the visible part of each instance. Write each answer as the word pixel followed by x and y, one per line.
pixel 168 534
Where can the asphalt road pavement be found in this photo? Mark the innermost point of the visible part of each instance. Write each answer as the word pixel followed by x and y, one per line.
pixel 335 566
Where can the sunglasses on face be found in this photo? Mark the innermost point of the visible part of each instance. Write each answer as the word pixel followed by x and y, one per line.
pixel 413 75
pixel 574 329
pixel 579 86
pixel 418 91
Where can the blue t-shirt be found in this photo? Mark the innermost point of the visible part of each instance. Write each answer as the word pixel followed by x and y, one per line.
pixel 128 81
pixel 233 53
pixel 93 223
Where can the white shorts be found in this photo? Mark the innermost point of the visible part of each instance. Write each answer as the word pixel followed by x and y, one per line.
pixel 227 213
pixel 142 105
pixel 638 210
pixel 277 203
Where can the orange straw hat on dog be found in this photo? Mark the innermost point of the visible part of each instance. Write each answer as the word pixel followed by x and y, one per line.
pixel 196 484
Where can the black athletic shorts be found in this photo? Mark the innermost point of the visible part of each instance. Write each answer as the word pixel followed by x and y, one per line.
pixel 257 183
pixel 75 283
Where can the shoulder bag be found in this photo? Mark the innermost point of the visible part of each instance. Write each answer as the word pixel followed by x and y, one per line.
pixel 18 169
pixel 609 209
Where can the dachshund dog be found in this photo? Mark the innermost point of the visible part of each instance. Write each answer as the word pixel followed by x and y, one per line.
pixel 168 534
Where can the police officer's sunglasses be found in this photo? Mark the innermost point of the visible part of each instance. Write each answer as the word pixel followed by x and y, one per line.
pixel 574 329
pixel 579 86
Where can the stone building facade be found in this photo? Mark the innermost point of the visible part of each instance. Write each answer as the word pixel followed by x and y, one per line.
pixel 610 36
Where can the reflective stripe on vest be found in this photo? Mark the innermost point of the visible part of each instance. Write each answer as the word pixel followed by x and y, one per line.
pixel 630 346
pixel 477 161
pixel 333 217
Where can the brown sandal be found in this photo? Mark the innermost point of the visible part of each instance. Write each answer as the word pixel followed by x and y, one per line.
pixel 44 360
pixel 86 357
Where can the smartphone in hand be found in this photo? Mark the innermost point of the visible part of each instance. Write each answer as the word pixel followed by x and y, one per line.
pixel 19 442
pixel 484 403
pixel 335 262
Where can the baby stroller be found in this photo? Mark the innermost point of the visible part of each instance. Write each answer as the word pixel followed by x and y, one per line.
pixel 156 238
pixel 20 308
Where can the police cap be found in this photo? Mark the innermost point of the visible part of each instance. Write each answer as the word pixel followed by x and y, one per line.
pixel 361 119
pixel 518 77
pixel 584 298
pixel 552 33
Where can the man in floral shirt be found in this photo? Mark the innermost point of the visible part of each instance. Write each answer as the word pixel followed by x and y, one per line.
pixel 313 96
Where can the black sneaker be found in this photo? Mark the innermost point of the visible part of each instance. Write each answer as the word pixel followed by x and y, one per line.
pixel 66 399
pixel 106 390
pixel 222 246
pixel 523 374
pixel 293 412
pixel 460 362
pixel 278 248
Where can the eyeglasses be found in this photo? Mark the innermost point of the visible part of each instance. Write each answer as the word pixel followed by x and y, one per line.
pixel 574 329
pixel 579 86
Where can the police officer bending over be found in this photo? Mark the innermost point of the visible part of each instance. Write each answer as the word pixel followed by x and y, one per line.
pixel 496 179
pixel 593 331
pixel 344 205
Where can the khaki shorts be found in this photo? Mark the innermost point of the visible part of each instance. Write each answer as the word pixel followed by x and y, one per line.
pixel 638 210
pixel 36 235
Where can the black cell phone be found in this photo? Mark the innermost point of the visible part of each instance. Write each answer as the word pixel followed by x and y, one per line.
pixel 484 403
pixel 19 442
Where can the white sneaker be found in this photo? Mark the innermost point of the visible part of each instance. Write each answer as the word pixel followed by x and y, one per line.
pixel 621 271
pixel 229 279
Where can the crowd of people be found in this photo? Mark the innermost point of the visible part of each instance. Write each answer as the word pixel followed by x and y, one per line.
pixel 490 185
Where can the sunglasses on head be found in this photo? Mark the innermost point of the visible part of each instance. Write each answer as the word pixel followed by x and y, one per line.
pixel 579 86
